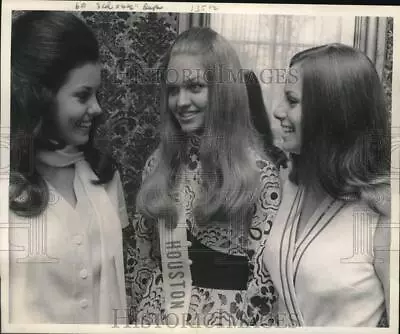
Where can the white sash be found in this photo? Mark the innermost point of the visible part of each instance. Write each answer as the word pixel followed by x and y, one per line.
pixel 177 279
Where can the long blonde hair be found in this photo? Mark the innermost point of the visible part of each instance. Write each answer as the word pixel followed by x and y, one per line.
pixel 231 178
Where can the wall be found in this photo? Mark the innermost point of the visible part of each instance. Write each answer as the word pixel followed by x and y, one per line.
pixel 388 64
pixel 131 46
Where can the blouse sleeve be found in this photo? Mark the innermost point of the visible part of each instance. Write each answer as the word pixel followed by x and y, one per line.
pixel 267 203
pixel 260 290
pixel 116 194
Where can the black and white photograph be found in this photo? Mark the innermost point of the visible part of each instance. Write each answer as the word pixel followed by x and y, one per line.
pixel 199 166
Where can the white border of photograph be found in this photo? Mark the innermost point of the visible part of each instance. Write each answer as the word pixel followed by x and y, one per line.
pixel 270 9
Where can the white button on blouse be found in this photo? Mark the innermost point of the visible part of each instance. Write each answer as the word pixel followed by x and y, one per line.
pixel 83 274
pixel 77 239
pixel 84 303
pixel 57 292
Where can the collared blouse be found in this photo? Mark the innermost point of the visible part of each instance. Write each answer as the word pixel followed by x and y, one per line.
pixel 55 268
pixel 326 276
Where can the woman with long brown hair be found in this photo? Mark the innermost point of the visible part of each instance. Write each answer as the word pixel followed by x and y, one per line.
pixel 328 250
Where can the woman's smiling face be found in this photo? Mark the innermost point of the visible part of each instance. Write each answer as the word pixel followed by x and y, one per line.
pixel 77 105
pixel 187 91
pixel 289 113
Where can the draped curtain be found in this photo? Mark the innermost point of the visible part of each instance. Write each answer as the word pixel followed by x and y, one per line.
pixel 265 43
pixel 370 37
pixel 187 20
pixel 374 36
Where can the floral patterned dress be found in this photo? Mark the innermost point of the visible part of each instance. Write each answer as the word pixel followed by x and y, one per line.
pixel 209 306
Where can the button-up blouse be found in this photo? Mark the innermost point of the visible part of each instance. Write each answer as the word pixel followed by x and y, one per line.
pixel 55 275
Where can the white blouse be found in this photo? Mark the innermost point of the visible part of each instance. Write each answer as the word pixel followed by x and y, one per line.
pixel 55 277
pixel 326 277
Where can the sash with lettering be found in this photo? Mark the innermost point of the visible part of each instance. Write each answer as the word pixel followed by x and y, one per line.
pixel 176 273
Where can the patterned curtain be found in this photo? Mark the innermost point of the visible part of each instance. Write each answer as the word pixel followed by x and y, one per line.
pixel 131 45
pixel 388 63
